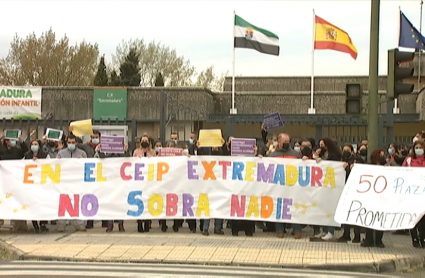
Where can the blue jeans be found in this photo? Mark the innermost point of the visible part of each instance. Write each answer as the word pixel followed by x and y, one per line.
pixel 296 227
pixel 281 226
pixel 329 230
pixel 218 224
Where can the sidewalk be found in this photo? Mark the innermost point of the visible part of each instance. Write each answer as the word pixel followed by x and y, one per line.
pixel 264 249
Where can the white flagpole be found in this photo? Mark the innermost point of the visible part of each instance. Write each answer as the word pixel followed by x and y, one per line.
pixel 233 110
pixel 312 110
pixel 420 50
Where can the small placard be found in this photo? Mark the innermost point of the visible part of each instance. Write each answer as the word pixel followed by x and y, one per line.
pixel 273 121
pixel 12 134
pixel 54 134
pixel 170 152
pixel 243 147
pixel 112 144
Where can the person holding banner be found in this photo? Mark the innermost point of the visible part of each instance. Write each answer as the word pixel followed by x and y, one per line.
pixel 417 159
pixel 100 154
pixel 374 237
pixel 350 158
pixel 10 150
pixel 218 223
pixel 177 223
pixel 332 152
pixel 145 150
pixel 36 152
pixel 71 151
pixel 284 150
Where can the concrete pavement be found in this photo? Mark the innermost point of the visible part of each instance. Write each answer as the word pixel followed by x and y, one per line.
pixel 264 249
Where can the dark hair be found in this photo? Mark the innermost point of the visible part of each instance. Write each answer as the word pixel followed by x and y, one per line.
pixel 312 141
pixel 374 157
pixel 71 136
pixel 418 142
pixel 95 131
pixel 395 147
pixel 151 142
pixel 358 148
pixel 334 151
pixel 350 146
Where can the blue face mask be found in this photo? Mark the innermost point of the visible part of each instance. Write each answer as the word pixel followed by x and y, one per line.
pixel 191 141
pixel 95 141
pixel 297 149
pixel 419 151
pixel 71 147
pixel 390 151
pixel 34 148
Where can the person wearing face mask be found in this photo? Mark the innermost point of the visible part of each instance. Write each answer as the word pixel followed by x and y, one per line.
pixel 350 158
pixel 157 146
pixel 284 150
pixel 71 151
pixel 374 237
pixel 394 157
pixel 362 151
pixel 92 150
pixel 13 149
pixel 174 137
pixel 145 150
pixel 218 223
pixel 332 152
pixel 36 152
pixel 297 146
pixel 100 154
pixel 417 159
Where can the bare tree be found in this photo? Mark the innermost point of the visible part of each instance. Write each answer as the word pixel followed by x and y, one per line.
pixel 208 79
pixel 46 61
pixel 154 58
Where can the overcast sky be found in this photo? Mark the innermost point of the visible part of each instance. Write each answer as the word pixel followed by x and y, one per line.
pixel 202 31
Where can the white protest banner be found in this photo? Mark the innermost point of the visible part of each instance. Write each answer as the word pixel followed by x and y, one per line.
pixel 382 198
pixel 268 189
pixel 20 103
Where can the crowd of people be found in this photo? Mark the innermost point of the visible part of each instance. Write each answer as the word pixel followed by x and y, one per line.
pixel 278 146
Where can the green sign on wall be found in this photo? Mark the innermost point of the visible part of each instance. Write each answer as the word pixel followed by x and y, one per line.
pixel 109 103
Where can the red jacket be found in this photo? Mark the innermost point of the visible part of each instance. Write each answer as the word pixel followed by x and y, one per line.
pixel 414 162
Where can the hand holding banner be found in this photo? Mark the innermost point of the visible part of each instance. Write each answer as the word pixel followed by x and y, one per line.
pixel 382 198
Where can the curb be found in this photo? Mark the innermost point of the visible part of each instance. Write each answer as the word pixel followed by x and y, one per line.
pixel 397 265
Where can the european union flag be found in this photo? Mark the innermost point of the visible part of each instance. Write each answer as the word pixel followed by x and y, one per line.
pixel 410 37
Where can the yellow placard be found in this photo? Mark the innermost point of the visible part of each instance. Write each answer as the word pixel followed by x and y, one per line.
pixel 210 138
pixel 80 128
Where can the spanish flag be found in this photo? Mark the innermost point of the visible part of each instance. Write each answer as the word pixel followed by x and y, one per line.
pixel 328 36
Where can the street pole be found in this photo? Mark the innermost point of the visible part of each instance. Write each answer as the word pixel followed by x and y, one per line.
pixel 373 117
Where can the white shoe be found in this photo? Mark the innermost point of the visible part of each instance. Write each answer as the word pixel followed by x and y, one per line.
pixel 328 236
pixel 320 235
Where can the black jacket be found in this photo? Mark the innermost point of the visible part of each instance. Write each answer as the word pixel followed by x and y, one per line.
pixel 14 152
pixel 40 154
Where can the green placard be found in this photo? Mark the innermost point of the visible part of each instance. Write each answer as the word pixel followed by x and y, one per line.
pixel 109 103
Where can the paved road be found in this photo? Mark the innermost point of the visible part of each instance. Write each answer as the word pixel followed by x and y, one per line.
pixel 71 269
